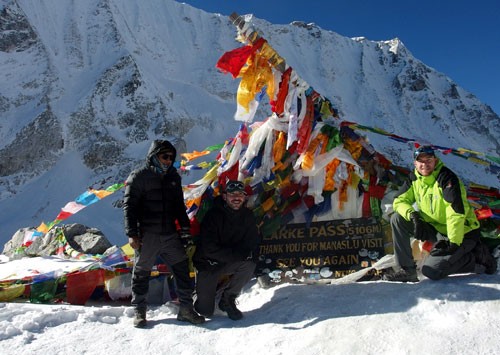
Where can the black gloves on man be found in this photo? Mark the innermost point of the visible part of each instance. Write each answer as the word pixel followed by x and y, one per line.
pixel 418 226
pixel 443 248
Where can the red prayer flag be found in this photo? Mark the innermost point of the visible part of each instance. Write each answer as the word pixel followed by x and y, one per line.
pixel 233 61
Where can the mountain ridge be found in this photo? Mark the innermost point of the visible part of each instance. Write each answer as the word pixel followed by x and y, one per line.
pixel 97 81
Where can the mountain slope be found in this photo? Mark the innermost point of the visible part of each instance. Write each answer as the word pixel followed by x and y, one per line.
pixel 87 86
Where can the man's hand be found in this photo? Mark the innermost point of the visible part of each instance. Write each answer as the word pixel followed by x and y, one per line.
pixel 418 226
pixel 135 242
pixel 186 237
pixel 443 248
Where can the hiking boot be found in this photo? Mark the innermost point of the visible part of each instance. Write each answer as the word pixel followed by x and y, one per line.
pixel 187 314
pixel 484 258
pixel 403 275
pixel 228 304
pixel 140 318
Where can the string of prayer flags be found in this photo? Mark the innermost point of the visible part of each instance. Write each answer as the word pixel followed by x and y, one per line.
pixel 195 154
pixel 471 155
pixel 87 198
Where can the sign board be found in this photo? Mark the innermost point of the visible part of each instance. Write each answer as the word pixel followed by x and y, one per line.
pixel 322 250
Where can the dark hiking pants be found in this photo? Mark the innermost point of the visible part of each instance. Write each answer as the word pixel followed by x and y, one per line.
pixel 169 248
pixel 240 273
pixel 434 267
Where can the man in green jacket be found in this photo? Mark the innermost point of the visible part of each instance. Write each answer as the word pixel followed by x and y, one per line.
pixel 433 207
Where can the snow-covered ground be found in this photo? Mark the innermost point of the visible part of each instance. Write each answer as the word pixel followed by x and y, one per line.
pixel 458 315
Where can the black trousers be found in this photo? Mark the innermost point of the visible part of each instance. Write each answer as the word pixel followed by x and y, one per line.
pixel 434 267
pixel 240 273
pixel 169 248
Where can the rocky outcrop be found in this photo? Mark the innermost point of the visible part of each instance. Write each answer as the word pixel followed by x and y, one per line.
pixel 80 238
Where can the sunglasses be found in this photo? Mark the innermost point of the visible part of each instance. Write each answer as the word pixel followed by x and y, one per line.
pixel 233 186
pixel 166 156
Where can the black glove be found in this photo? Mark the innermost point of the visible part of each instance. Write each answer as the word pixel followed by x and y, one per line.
pixel 443 248
pixel 186 238
pixel 418 226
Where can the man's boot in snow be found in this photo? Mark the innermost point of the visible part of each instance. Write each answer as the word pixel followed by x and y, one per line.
pixel 228 304
pixel 187 314
pixel 140 318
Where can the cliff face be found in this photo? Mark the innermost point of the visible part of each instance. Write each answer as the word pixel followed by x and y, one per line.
pixel 94 82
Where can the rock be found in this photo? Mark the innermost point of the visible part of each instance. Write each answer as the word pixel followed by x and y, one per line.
pixel 16 241
pixel 86 240
pixel 81 238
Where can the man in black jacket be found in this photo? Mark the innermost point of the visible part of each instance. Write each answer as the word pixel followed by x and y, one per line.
pixel 228 238
pixel 153 202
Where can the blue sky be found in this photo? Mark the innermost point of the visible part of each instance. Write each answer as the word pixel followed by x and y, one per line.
pixel 460 38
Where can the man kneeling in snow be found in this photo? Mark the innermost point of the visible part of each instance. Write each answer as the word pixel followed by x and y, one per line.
pixel 228 238
pixel 444 217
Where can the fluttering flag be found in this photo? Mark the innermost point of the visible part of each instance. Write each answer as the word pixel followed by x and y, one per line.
pixel 471 155
pixel 298 145
pixel 85 199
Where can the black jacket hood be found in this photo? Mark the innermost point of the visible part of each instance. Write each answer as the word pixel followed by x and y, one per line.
pixel 157 146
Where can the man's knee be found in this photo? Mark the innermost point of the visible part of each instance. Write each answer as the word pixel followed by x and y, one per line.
pixel 432 272
pixel 436 268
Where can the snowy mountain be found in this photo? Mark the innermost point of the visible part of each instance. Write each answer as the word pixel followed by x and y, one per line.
pixel 86 85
